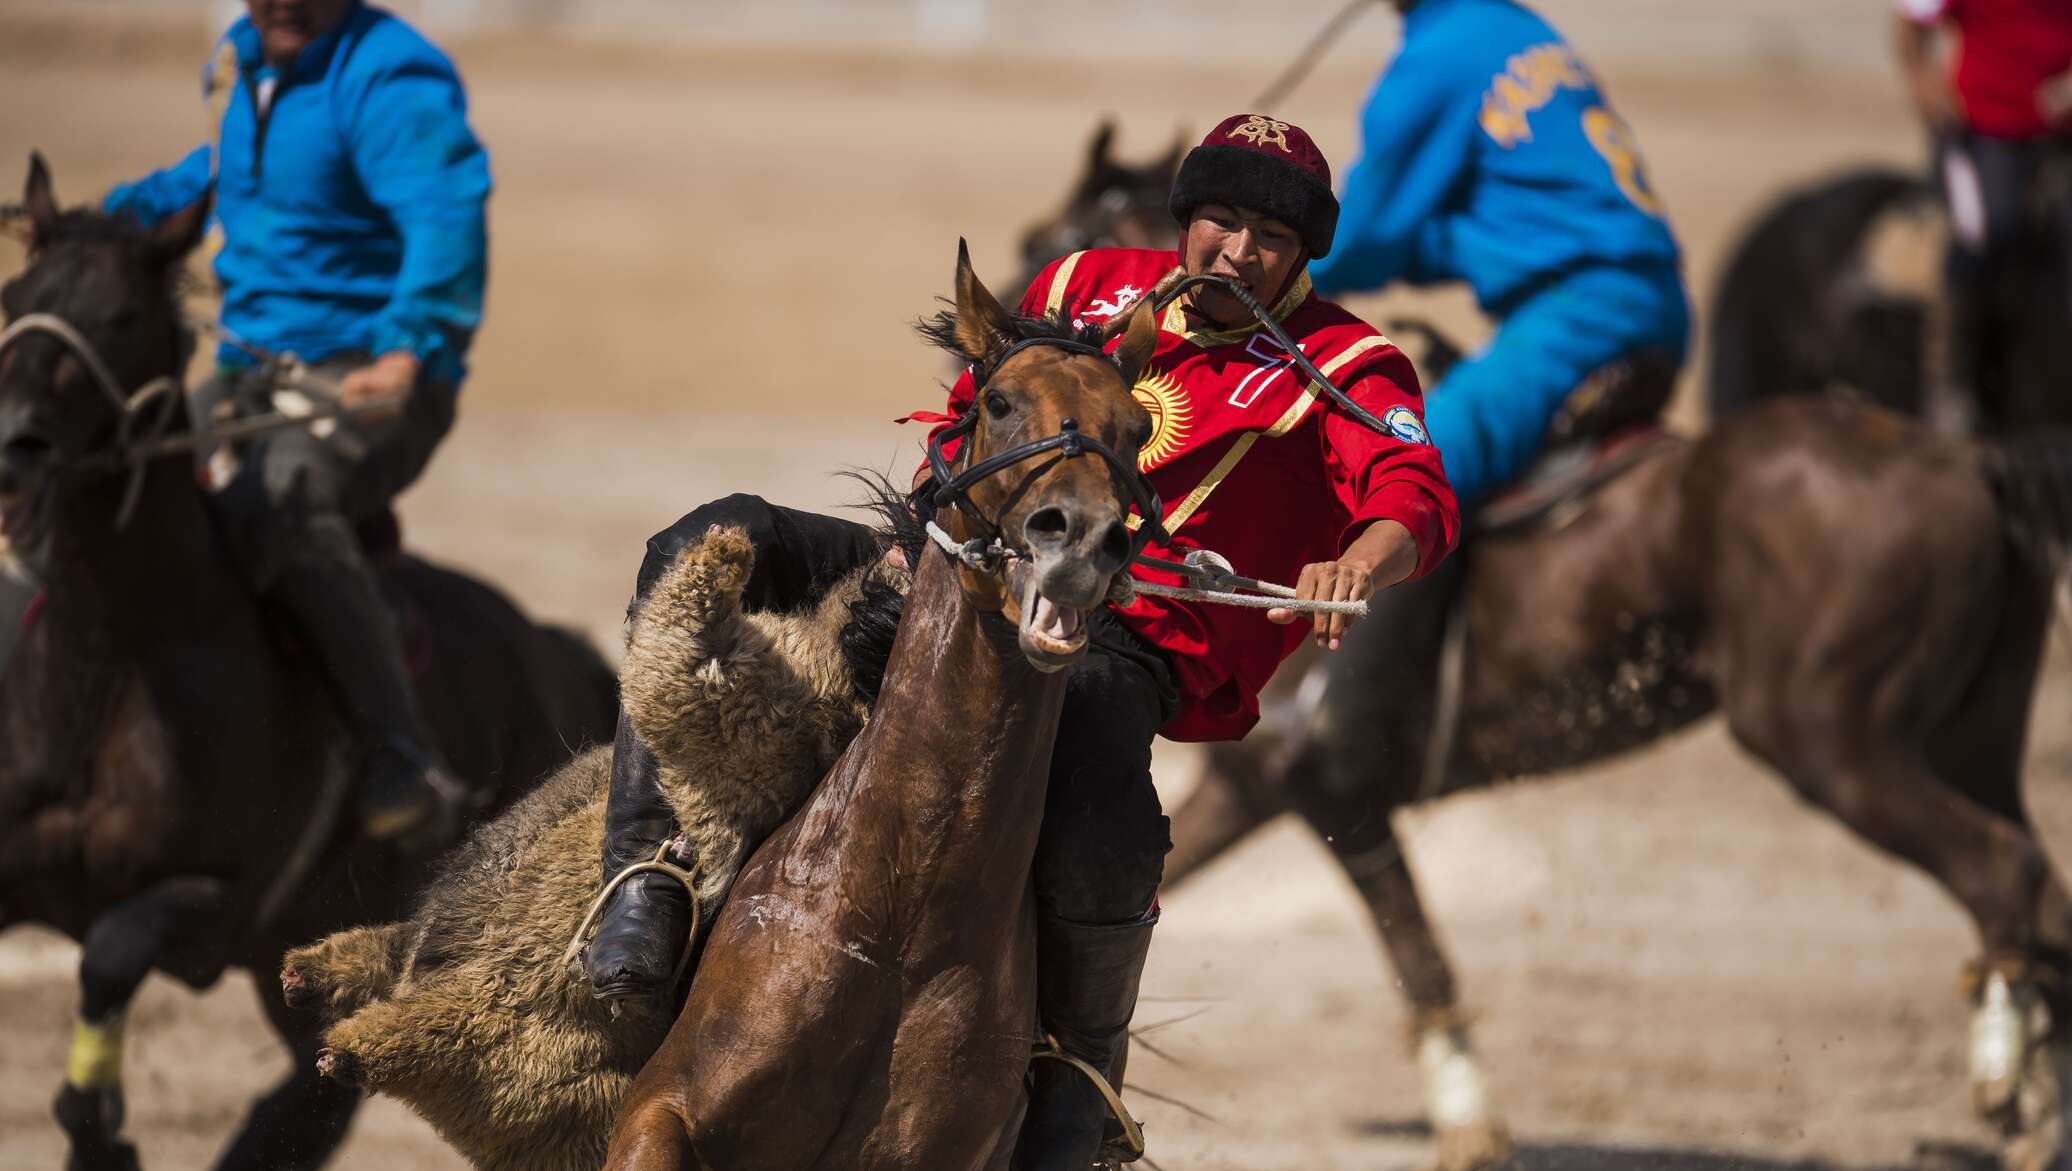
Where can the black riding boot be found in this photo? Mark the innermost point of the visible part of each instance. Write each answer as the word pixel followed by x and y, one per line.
pixel 338 608
pixel 643 929
pixel 1086 989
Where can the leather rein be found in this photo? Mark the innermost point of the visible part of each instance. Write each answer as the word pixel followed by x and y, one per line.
pixel 953 487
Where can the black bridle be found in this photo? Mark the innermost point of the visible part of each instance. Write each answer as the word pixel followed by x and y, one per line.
pixel 954 487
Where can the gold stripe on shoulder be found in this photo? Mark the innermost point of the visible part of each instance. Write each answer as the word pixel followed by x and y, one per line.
pixel 1286 423
pixel 1055 300
pixel 1329 369
pixel 1195 499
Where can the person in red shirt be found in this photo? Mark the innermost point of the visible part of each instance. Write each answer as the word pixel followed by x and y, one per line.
pixel 1253 461
pixel 1993 111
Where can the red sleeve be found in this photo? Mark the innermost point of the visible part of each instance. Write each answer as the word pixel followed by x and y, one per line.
pixel 1394 477
pixel 964 390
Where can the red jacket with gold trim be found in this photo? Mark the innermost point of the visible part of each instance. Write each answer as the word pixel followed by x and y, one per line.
pixel 1254 463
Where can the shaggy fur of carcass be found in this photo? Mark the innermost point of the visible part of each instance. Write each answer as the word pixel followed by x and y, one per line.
pixel 466 1012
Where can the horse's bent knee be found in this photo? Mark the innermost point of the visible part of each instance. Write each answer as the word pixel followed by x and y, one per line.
pixel 650 1137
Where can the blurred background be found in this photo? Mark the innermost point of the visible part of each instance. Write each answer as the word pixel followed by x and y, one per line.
pixel 713 226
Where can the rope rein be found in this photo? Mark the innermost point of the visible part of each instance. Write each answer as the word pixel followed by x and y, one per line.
pixel 140 440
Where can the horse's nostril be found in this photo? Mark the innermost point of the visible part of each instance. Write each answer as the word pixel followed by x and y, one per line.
pixel 1047 526
pixel 1115 545
pixel 25 450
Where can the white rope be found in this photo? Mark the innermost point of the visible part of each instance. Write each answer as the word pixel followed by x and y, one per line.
pixel 1267 596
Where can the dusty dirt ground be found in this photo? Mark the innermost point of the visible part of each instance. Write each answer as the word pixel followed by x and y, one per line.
pixel 704 269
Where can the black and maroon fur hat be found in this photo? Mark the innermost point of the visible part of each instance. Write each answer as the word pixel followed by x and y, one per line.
pixel 1269 166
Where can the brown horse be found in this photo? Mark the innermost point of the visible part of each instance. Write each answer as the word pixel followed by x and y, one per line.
pixel 1863 599
pixel 171 765
pixel 867 998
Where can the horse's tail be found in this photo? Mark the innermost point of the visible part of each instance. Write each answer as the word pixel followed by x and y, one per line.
pixel 1773 327
pixel 2032 477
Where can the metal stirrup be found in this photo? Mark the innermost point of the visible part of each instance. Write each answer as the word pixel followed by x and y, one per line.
pixel 1132 1131
pixel 659 864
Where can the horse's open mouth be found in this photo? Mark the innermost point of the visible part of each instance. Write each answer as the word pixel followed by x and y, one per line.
pixel 18 512
pixel 1052 636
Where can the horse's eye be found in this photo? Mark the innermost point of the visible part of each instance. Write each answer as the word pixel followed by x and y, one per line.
pixel 997 406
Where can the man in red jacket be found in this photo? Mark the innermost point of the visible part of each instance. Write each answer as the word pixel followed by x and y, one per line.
pixel 1253 462
pixel 1995 109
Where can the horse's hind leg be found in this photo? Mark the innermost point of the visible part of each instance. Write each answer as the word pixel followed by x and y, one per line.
pixel 118 951
pixel 1462 1110
pixel 301 1121
pixel 1909 733
pixel 1363 758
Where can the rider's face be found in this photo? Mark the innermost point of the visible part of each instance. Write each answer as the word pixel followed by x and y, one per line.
pixel 1260 251
pixel 286 27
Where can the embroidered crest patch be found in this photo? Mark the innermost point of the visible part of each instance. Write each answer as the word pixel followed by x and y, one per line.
pixel 1403 423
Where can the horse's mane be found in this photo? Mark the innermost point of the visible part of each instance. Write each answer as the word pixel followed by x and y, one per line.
pixel 874 617
pixel 88 226
pixel 84 225
pixel 941 331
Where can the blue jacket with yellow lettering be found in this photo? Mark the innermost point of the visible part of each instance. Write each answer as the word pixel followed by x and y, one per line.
pixel 1490 156
pixel 351 192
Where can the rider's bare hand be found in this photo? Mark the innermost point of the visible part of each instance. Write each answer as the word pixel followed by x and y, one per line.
pixel 382 385
pixel 1382 556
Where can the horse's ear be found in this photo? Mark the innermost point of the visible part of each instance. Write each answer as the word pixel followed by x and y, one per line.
pixel 1097 150
pixel 39 200
pixel 1139 341
pixel 177 234
pixel 981 323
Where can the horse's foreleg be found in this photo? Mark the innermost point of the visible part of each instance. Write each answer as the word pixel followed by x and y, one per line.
pixel 301 1121
pixel 1458 1101
pixel 119 950
pixel 1230 801
pixel 1357 823
pixel 650 1136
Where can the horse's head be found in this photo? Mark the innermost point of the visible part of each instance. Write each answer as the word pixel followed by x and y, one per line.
pixel 112 283
pixel 1114 205
pixel 1047 465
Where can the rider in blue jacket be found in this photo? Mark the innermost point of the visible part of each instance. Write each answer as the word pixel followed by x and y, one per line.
pixel 351 193
pixel 1489 155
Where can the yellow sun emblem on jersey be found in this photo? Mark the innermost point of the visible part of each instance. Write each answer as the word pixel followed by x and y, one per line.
pixel 1171 413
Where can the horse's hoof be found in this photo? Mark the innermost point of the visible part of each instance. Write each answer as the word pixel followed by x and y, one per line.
pixel 1999 1048
pixel 114 1155
pixel 91 1119
pixel 1473 1148
pixel 339 1066
pixel 1464 1116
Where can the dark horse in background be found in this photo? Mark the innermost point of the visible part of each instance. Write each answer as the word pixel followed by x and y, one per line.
pixel 171 764
pixel 1837 287
pixel 1113 205
pixel 1863 599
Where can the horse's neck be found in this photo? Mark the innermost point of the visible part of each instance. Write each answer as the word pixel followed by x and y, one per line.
pixel 957 753
pixel 161 578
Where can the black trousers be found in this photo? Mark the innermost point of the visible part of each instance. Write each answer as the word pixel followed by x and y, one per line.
pixel 1104 837
pixel 297 494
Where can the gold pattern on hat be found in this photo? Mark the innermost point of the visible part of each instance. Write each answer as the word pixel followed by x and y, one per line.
pixel 1261 130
